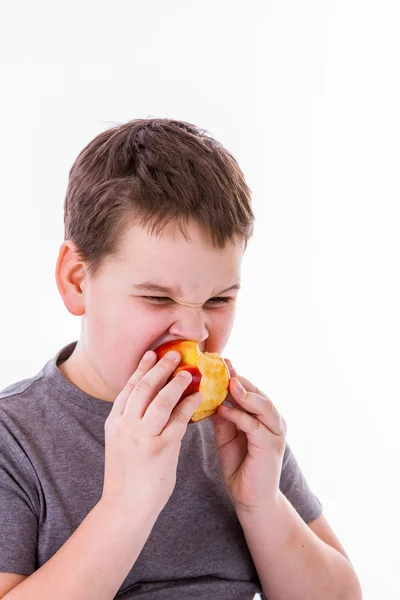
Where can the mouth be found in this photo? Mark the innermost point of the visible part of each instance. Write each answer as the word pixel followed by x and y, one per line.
pixel 202 345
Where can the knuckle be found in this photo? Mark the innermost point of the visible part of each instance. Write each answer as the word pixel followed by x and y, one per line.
pixel 181 380
pixel 179 417
pixel 153 446
pixel 130 386
pixel 162 404
pixel 261 393
pixel 142 386
pixel 159 447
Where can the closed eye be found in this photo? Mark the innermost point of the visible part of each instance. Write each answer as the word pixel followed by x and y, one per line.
pixel 218 300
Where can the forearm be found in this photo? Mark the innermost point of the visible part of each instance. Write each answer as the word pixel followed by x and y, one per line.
pixel 291 561
pixel 93 562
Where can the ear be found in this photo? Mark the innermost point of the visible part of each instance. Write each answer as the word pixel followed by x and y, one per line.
pixel 70 274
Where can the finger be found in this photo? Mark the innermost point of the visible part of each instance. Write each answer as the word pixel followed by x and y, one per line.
pixel 159 410
pixel 250 387
pixel 258 406
pixel 230 400
pixel 231 368
pixel 224 431
pixel 176 427
pixel 245 422
pixel 148 386
pixel 230 454
pixel 148 361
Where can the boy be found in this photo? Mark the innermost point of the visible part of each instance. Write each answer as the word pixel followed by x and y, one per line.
pixel 105 490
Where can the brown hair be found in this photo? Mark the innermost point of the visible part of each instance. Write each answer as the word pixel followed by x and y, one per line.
pixel 149 172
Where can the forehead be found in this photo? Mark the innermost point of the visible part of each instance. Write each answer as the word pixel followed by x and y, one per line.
pixel 170 257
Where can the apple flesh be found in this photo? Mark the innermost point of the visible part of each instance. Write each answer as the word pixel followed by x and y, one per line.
pixel 210 375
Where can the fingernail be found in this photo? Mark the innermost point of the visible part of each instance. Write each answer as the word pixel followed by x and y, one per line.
pixel 239 386
pixel 199 398
pixel 186 375
pixel 148 355
pixel 230 365
pixel 172 355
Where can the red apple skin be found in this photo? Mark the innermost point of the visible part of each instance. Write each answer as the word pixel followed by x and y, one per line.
pixel 172 345
pixel 189 351
pixel 194 385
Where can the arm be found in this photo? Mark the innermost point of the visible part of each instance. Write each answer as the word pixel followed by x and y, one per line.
pixel 143 435
pixel 93 562
pixel 291 561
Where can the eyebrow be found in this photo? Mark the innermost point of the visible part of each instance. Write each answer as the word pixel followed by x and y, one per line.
pixel 150 286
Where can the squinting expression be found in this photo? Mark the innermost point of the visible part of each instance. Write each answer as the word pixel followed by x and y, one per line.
pixel 157 289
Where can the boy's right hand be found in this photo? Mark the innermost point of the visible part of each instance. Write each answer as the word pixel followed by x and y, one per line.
pixel 143 436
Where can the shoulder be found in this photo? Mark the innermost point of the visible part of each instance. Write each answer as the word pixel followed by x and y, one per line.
pixel 21 410
pixel 21 403
pixel 18 388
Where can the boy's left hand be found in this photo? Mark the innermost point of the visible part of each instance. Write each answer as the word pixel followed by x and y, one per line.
pixel 250 440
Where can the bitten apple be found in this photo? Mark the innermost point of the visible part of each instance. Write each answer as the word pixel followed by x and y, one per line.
pixel 210 375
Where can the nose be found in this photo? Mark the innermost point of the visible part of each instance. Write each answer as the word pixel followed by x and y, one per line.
pixel 190 326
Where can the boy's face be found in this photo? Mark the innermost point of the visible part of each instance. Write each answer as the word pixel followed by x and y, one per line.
pixel 123 316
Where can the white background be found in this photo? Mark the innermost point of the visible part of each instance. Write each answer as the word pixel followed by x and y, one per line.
pixel 306 96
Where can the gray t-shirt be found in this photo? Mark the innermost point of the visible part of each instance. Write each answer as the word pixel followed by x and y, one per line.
pixel 51 476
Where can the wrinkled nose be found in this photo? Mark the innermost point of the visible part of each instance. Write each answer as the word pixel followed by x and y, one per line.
pixel 190 326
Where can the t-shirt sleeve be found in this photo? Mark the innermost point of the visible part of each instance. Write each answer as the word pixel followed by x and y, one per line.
pixel 18 516
pixel 296 489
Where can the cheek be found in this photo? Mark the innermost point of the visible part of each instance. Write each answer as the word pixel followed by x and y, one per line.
pixel 221 323
pixel 151 320
pixel 124 330
pixel 119 339
pixel 144 324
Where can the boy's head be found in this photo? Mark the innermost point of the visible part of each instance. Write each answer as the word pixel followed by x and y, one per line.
pixel 156 201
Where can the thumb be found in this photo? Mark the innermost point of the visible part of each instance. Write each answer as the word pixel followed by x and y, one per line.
pixel 224 430
pixel 232 370
pixel 250 387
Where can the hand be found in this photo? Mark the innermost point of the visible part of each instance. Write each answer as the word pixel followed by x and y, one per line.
pixel 143 436
pixel 250 440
